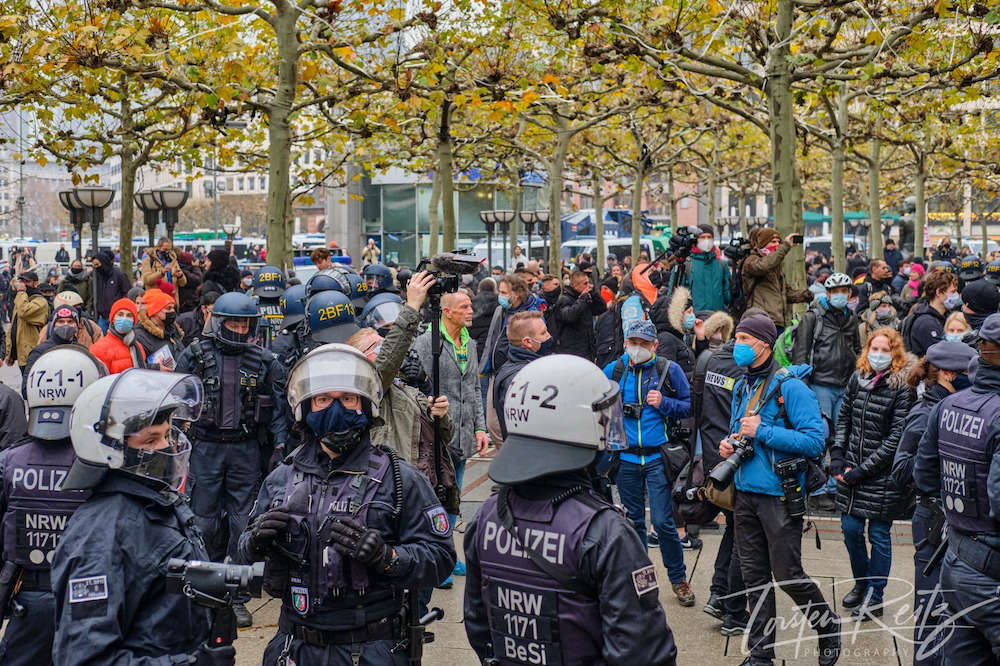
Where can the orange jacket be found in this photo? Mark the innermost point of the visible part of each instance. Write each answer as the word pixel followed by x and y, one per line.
pixel 112 350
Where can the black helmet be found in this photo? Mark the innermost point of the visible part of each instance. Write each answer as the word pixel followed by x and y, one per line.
pixel 268 282
pixel 327 280
pixel 378 277
pixel 993 271
pixel 381 311
pixel 330 316
pixel 236 306
pixel 359 289
pixel 970 268
pixel 293 305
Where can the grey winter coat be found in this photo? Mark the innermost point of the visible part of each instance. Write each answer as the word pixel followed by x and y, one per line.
pixel 465 399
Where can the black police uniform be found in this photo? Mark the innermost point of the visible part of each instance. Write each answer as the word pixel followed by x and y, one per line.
pixel 109 583
pixel 242 418
pixel 271 317
pixel 336 610
pixel 958 458
pixel 518 613
pixel 35 512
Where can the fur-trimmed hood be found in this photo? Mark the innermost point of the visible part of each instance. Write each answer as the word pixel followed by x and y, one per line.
pixel 720 322
pixel 154 328
pixel 680 300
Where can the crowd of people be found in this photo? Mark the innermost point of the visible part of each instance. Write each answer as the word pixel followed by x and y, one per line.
pixel 330 424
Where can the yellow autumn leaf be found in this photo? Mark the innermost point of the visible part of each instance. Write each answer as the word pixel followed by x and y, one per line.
pixel 550 79
pixel 528 97
pixel 344 53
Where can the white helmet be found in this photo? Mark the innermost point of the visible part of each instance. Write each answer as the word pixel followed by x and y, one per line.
pixel 113 409
pixel 837 280
pixel 560 411
pixel 54 383
pixel 333 367
pixel 70 298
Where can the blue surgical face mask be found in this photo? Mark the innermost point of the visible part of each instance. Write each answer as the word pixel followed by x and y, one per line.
pixel 504 302
pixel 838 301
pixel 743 355
pixel 689 322
pixel 123 325
pixel 879 360
pixel 953 301
pixel 954 337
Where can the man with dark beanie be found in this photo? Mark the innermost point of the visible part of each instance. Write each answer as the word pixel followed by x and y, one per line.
pixel 980 299
pixel 220 275
pixel 110 284
pixel 777 416
pixel 764 283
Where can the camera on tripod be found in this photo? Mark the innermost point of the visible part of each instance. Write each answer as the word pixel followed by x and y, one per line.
pixel 447 268
pixel 737 249
pixel 683 241
pixel 214 584
pixel 722 474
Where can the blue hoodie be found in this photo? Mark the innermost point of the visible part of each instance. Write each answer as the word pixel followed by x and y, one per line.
pixel 651 428
pixel 774 440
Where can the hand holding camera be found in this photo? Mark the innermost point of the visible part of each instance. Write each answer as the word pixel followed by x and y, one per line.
pixel 654 398
pixel 749 425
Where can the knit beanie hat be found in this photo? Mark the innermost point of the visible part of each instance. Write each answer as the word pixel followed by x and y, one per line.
pixel 764 236
pixel 759 326
pixel 155 300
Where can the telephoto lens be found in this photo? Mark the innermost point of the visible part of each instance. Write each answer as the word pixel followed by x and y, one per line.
pixel 722 474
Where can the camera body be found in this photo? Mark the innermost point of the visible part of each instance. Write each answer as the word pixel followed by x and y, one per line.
pixel 683 241
pixel 447 268
pixel 214 584
pixel 632 410
pixel 722 474
pixel 788 470
pixel 737 249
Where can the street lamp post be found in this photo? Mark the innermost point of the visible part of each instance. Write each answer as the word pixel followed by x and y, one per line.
pixel 504 217
pixel 489 219
pixel 77 216
pixel 93 200
pixel 150 208
pixel 231 229
pixel 170 200
pixel 528 219
pixel 542 218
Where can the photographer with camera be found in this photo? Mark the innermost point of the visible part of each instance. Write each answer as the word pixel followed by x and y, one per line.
pixel 161 263
pixel 574 314
pixel 705 273
pixel 655 393
pixel 775 425
pixel 132 454
pixel 764 283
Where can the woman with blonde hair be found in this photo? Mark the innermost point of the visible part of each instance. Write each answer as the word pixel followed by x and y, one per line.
pixel 872 419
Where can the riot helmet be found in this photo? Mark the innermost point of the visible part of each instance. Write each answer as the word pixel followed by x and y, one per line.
pixel 378 277
pixel 330 317
pixel 942 266
pixel 381 311
pixel 327 280
pixel 993 271
pixel 234 320
pixel 126 422
pixel 54 383
pixel 293 305
pixel 268 282
pixel 359 289
pixel 970 268
pixel 560 412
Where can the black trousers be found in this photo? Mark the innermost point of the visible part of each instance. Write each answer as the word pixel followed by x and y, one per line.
pixel 727 580
pixel 769 542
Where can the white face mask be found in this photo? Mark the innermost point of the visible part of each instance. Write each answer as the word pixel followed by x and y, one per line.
pixel 705 244
pixel 638 354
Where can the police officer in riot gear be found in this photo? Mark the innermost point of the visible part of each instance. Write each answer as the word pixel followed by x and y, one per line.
pixel 268 287
pixel 958 458
pixel 330 317
pixel 285 344
pixel 378 277
pixel 359 290
pixel 34 506
pixel 550 563
pixel 343 526
pixel 380 312
pixel 108 572
pixel 241 424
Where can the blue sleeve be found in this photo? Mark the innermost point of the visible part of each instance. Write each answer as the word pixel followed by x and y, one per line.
pixel 808 434
pixel 927 465
pixel 678 406
pixel 735 409
pixel 610 368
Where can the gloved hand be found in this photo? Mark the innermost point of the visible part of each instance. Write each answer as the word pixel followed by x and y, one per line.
pixel 270 525
pixel 276 457
pixel 354 540
pixel 224 655
pixel 852 476
pixel 836 466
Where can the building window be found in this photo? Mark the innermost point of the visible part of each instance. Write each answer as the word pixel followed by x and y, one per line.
pixel 263 183
pixel 250 183
pixel 685 203
pixel 229 184
pixel 239 183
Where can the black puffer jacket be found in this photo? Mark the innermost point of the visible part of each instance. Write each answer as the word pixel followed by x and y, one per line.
pixel 871 422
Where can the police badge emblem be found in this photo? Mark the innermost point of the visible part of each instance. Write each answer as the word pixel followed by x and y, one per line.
pixel 300 600
pixel 439 521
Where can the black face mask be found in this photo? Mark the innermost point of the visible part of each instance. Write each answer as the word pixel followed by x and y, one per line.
pixel 961 382
pixel 169 318
pixel 64 334
pixel 76 272
pixel 552 295
pixel 546 347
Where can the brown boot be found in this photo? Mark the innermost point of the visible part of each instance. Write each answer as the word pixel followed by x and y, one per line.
pixel 684 594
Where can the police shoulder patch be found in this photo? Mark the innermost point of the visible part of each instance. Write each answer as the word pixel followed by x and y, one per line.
pixel 92 588
pixel 644 580
pixel 439 521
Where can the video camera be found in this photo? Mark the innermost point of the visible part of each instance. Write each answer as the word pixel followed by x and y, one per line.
pixel 722 474
pixel 683 241
pixel 216 586
pixel 737 249
pixel 447 268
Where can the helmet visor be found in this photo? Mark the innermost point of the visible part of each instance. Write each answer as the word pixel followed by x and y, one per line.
pixel 168 465
pixel 237 331
pixel 382 315
pixel 139 398
pixel 333 368
pixel 611 417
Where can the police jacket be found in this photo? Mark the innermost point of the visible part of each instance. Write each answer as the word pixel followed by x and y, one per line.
pixel 789 429
pixel 927 468
pixel 112 606
pixel 651 428
pixel 403 508
pixel 609 560
pixel 244 393
pixel 869 427
pixel 916 423
pixel 718 379
pixel 831 349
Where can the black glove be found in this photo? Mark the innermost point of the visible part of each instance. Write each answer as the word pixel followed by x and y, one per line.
pixel 354 540
pixel 276 457
pixel 270 525
pixel 836 466
pixel 224 655
pixel 853 476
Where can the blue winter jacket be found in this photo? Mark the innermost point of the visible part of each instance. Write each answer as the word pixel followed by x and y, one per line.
pixel 651 428
pixel 775 440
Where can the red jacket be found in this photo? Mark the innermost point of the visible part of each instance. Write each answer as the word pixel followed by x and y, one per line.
pixel 112 350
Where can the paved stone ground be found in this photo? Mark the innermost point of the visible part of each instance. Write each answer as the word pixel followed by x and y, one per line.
pixel 699 642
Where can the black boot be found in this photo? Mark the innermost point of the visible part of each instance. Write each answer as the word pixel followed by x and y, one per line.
pixel 854 598
pixel 828 633
pixel 715 607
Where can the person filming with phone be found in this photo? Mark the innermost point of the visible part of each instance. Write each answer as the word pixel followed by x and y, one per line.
pixel 763 279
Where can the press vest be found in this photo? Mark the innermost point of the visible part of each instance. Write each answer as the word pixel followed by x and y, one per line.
pixel 966 421
pixel 534 619
pixel 37 507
